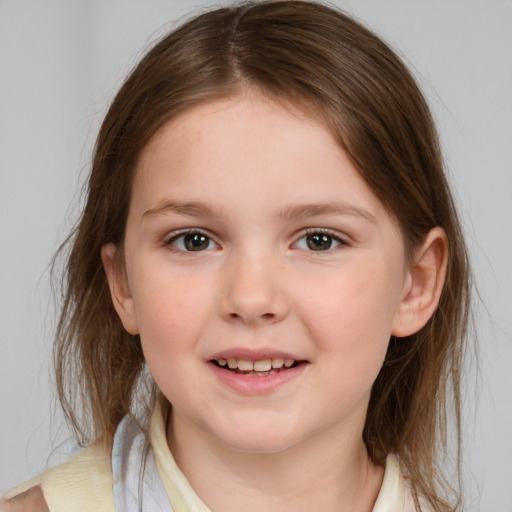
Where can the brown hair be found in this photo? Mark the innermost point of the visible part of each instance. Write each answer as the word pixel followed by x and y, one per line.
pixel 315 57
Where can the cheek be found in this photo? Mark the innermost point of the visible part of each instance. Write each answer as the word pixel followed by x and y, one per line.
pixel 171 312
pixel 351 319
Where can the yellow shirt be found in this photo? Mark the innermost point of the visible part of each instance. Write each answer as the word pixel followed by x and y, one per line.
pixel 84 484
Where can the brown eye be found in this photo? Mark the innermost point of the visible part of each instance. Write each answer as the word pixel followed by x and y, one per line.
pixel 196 242
pixel 319 242
pixel 193 241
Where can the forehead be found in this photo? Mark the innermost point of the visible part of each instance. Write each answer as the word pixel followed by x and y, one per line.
pixel 248 145
pixel 251 112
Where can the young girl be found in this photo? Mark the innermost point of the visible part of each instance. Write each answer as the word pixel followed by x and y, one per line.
pixel 267 291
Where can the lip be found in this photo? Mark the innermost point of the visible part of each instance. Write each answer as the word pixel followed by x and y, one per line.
pixel 253 354
pixel 256 385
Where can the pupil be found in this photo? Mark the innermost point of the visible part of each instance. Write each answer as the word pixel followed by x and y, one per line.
pixel 196 242
pixel 319 242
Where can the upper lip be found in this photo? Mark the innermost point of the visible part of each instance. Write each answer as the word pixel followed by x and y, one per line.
pixel 253 354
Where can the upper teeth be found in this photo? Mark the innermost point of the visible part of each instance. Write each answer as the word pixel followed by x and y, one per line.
pixel 263 365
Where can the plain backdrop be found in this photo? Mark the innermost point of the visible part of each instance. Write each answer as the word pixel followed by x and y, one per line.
pixel 61 62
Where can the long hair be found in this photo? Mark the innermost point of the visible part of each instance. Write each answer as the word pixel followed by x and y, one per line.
pixel 336 70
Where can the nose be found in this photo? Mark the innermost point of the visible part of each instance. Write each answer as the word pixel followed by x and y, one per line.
pixel 252 291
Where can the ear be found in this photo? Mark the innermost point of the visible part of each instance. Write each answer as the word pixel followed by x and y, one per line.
pixel 424 284
pixel 119 288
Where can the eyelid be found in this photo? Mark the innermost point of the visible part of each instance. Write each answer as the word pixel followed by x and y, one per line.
pixel 335 235
pixel 174 235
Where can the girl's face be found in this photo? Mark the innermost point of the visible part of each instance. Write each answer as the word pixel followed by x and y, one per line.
pixel 263 275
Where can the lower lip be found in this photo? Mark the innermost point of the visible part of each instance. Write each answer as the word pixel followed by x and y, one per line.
pixel 255 385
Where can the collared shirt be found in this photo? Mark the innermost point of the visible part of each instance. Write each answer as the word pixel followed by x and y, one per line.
pixel 97 481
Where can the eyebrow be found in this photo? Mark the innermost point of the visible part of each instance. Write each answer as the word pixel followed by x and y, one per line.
pixel 192 208
pixel 299 211
pixel 290 212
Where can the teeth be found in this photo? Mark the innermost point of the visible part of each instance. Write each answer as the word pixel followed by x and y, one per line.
pixel 260 374
pixel 277 362
pixel 245 365
pixel 263 365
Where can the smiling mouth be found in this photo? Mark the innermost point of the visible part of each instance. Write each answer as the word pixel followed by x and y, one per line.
pixel 260 368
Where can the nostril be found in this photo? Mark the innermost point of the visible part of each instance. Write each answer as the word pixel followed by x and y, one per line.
pixel 264 316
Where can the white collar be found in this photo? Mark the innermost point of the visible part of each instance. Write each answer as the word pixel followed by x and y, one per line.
pixel 147 473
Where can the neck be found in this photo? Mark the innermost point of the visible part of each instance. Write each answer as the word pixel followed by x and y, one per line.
pixel 330 472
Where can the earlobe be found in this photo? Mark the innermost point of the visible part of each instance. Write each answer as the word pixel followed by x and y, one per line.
pixel 425 281
pixel 119 288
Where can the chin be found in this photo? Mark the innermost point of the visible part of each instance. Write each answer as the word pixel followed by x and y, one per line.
pixel 261 439
pixel 260 446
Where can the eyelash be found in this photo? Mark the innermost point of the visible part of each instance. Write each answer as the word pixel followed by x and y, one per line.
pixel 182 234
pixel 333 237
pixel 325 232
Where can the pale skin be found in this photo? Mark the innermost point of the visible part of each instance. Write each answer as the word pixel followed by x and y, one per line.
pixel 28 501
pixel 294 256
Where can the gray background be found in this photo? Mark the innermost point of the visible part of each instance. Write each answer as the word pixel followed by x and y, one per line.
pixel 61 63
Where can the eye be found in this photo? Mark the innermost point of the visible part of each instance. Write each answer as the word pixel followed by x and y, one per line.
pixel 192 241
pixel 319 241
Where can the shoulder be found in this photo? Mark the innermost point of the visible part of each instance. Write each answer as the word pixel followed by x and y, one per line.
pixel 31 500
pixel 82 484
pixel 396 493
pixel 414 505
